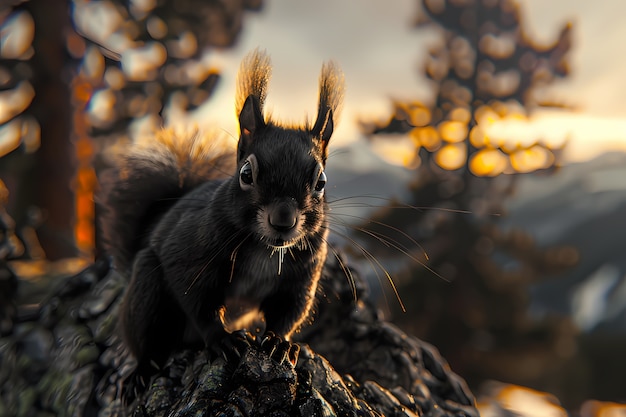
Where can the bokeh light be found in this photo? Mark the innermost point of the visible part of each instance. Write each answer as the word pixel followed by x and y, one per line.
pixel 451 156
pixel 488 163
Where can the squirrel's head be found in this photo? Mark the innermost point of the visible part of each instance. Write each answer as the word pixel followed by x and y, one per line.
pixel 281 169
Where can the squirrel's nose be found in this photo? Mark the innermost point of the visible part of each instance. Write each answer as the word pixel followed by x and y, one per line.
pixel 283 218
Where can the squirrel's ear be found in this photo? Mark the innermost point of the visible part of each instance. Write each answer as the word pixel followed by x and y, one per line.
pixel 323 129
pixel 250 121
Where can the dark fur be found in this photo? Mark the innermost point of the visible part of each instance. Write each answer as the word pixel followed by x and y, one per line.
pixel 194 245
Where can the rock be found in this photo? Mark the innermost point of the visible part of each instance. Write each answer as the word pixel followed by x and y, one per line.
pixel 68 360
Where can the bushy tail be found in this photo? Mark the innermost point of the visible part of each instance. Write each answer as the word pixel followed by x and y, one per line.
pixel 149 177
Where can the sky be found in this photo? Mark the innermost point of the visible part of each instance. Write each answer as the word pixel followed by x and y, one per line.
pixel 381 55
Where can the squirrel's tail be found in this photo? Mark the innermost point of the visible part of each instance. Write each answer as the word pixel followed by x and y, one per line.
pixel 149 177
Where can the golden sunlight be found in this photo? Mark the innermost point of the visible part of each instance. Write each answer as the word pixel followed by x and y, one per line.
pixel 453 131
pixel 585 136
pixel 16 36
pixel 418 114
pixel 15 101
pixel 478 138
pixel 520 401
pixel 397 151
pixel 592 408
pixel 452 156
pixel 488 163
pixel 428 137
pixel 460 114
pixel 532 159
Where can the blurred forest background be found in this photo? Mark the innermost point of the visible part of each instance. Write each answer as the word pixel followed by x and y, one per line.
pixel 506 258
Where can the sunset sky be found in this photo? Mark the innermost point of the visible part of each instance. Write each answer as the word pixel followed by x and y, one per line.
pixel 381 55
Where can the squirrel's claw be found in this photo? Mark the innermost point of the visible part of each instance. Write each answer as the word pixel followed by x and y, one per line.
pixel 278 349
pixel 293 353
pixel 232 346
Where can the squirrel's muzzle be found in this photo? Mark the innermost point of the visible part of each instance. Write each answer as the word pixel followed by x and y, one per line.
pixel 283 217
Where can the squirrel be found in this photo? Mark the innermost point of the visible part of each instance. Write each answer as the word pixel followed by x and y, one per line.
pixel 204 233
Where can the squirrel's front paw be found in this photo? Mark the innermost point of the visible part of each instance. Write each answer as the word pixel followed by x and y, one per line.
pixel 278 349
pixel 232 346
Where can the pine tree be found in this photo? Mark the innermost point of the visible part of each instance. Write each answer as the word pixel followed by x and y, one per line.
pixel 486 68
pixel 35 126
pixel 138 62
pixel 78 77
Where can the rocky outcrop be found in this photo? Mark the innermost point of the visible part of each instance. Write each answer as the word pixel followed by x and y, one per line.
pixel 66 359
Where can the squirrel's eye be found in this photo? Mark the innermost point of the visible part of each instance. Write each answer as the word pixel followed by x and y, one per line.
pixel 245 175
pixel 248 173
pixel 320 183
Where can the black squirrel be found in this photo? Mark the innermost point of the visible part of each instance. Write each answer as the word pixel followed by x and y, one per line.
pixel 200 244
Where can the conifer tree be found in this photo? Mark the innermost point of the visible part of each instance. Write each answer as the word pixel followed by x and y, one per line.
pixel 76 77
pixel 486 68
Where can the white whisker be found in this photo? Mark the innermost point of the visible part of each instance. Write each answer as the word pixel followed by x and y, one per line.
pixel 344 268
pixel 281 255
pixel 373 259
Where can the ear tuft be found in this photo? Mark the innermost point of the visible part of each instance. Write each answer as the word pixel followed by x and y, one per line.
pixel 253 78
pixel 332 88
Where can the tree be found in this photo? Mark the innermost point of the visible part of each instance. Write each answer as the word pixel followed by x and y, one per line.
pixel 486 69
pixel 78 77
pixel 139 62
pixel 36 97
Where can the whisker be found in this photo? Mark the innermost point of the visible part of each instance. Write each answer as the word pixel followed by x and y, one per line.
pixel 344 268
pixel 405 252
pixel 281 258
pixel 206 265
pixel 395 229
pixel 230 135
pixel 352 197
pixel 401 206
pixel 387 241
pixel 369 255
pixel 346 198
pixel 233 256
pixel 183 198
pixel 309 246
pixel 336 152
pixel 354 205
